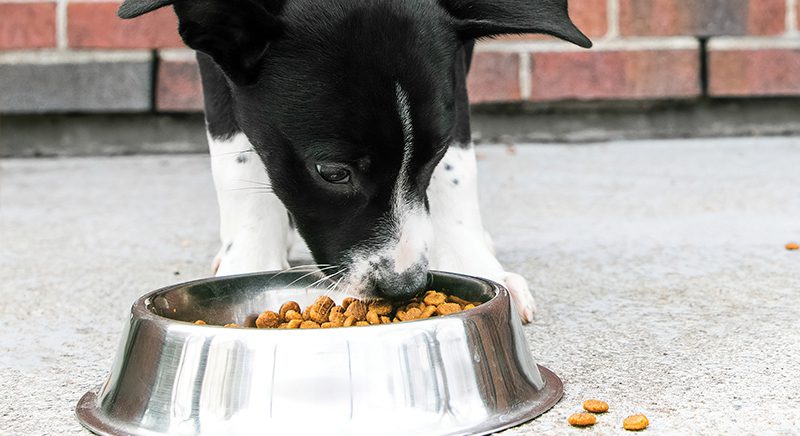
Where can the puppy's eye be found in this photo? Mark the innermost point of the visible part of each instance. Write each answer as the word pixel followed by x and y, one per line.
pixel 333 173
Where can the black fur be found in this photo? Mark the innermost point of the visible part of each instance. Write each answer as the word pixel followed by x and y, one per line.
pixel 312 82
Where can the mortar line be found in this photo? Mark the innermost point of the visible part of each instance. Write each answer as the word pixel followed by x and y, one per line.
pixel 525 75
pixel 791 17
pixel 612 15
pixel 61 25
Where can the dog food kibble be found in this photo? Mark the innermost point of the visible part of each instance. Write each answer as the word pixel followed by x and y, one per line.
pixel 324 313
pixel 357 309
pixel 433 298
pixel 268 320
pixel 448 308
pixel 793 246
pixel 232 325
pixel 309 325
pixel 595 406
pixel 635 422
pixel 582 419
pixel 287 306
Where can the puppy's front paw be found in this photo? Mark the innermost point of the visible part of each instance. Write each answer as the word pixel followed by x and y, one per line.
pixel 521 296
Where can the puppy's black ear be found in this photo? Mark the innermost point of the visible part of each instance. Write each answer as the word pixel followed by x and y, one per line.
pixel 480 18
pixel 235 33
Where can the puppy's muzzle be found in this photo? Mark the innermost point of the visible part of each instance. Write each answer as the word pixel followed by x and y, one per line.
pixel 403 285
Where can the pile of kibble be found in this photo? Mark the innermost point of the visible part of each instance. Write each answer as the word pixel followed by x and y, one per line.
pixel 324 313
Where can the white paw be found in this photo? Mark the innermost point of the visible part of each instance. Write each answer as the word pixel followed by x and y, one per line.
pixel 521 296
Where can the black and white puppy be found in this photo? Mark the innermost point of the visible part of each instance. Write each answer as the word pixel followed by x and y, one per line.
pixel 352 117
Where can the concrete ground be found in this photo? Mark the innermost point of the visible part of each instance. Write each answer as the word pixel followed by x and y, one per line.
pixel 659 270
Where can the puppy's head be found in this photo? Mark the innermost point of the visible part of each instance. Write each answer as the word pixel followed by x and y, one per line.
pixel 350 105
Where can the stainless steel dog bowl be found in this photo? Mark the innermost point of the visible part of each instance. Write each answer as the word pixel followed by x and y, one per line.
pixel 466 373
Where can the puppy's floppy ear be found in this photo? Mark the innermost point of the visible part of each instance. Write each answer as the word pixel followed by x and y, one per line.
pixel 480 18
pixel 235 33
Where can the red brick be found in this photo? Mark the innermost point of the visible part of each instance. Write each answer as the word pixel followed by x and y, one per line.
pixel 494 77
pixel 702 17
pixel 96 25
pixel 609 75
pixel 750 72
pixel 591 16
pixel 178 88
pixel 27 25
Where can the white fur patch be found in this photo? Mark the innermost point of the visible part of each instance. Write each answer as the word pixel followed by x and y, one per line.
pixel 461 244
pixel 409 225
pixel 412 223
pixel 254 224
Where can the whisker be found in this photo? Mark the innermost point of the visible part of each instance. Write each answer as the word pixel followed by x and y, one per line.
pixel 334 289
pixel 310 265
pixel 325 278
pixel 255 182
pixel 312 272
pixel 255 189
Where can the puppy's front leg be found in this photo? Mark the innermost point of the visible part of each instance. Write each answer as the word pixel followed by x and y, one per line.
pixel 254 224
pixel 460 242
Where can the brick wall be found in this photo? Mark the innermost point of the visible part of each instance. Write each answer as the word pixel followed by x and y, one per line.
pixel 76 56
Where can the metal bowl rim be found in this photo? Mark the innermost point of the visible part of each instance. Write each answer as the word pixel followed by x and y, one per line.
pixel 140 310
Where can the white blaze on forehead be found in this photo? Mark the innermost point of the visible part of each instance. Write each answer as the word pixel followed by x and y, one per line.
pixel 411 220
pixel 409 226
pixel 404 110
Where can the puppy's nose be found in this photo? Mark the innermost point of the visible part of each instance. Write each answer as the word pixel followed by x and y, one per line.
pixel 404 285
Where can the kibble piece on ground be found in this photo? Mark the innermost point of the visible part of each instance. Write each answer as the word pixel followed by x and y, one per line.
pixel 362 323
pixel 793 246
pixel 635 422
pixel 434 298
pixel 287 306
pixel 386 320
pixel 294 324
pixel 200 322
pixel 595 406
pixel 448 308
pixel 232 325
pixel 469 306
pixel 582 419
pixel 268 320
pixel 309 325
pixel 350 321
pixel 330 325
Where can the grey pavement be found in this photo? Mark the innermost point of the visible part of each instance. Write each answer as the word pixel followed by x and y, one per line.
pixel 659 270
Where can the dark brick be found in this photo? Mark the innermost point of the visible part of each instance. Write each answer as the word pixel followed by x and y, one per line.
pixel 754 72
pixel 179 88
pixel 86 85
pixel 702 17
pixel 27 25
pixel 96 25
pixel 610 75
pixel 494 77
